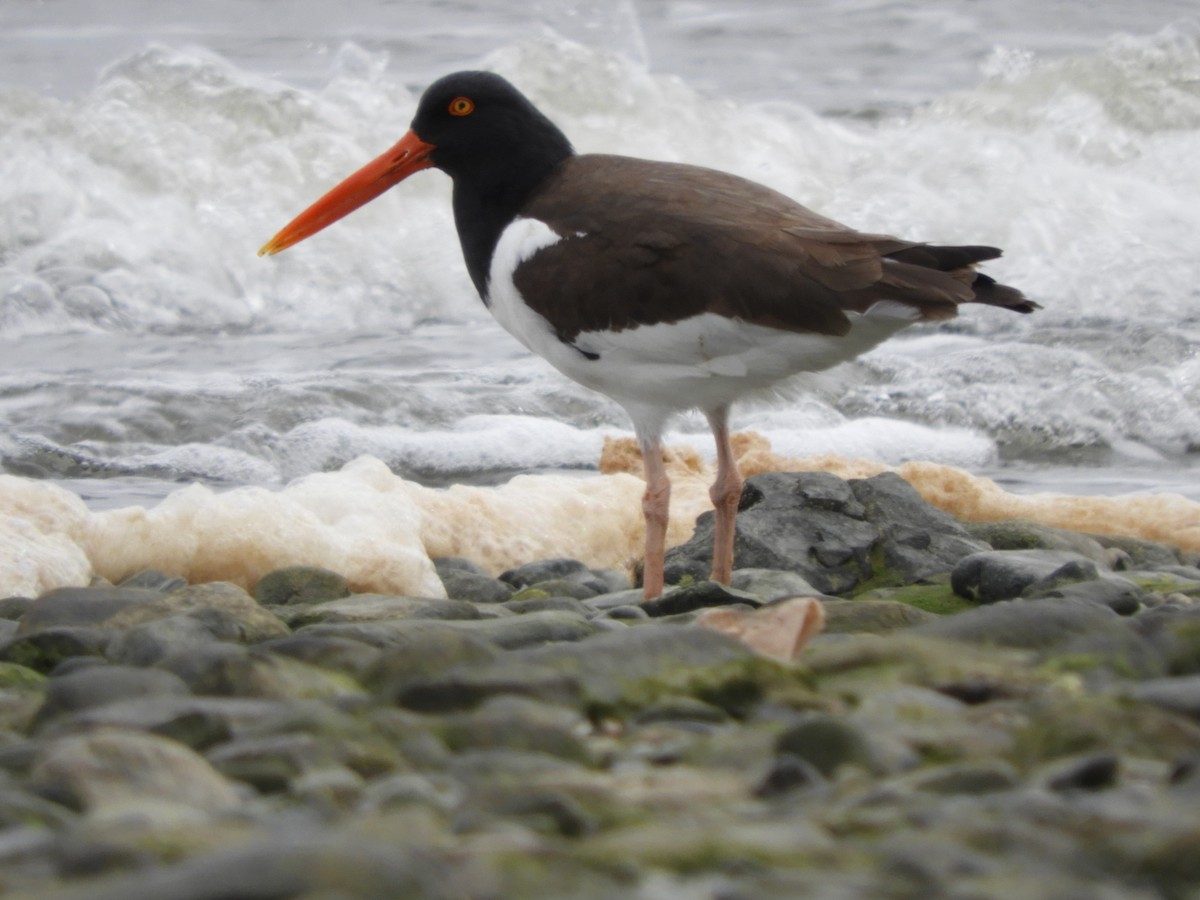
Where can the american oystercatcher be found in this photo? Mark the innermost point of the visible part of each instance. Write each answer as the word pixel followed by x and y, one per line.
pixel 664 286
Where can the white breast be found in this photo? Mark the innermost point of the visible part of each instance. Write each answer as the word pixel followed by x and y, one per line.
pixel 703 362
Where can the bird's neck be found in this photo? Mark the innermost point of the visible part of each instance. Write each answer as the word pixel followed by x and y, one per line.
pixel 487 200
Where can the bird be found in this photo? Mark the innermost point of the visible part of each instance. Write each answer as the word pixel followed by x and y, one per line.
pixel 666 286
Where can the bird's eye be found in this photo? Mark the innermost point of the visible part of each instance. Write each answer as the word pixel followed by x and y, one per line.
pixel 462 106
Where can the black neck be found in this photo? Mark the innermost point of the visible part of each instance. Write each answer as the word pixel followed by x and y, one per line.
pixel 489 194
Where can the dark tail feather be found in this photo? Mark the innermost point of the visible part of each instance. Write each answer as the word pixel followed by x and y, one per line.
pixel 989 291
pixel 960 259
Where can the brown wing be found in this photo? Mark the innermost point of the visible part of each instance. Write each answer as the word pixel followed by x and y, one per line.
pixel 648 242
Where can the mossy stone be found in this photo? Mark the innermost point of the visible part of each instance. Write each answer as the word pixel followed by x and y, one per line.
pixel 300 584
pixel 827 742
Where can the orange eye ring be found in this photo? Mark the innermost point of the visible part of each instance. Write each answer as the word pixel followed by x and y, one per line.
pixel 462 106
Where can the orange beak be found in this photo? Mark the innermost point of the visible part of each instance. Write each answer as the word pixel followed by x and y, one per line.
pixel 410 155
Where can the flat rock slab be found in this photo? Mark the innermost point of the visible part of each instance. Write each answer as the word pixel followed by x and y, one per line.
pixel 111 774
pixel 1028 624
pixel 871 616
pixel 835 534
pixel 994 575
pixel 596 670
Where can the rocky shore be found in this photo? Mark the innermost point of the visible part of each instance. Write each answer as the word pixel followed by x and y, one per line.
pixel 1001 710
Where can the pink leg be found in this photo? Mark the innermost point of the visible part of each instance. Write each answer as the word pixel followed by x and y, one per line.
pixel 726 493
pixel 656 504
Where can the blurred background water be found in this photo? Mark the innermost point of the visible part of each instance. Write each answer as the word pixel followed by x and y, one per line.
pixel 147 149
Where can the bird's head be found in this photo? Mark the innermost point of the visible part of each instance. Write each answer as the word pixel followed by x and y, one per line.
pixel 474 126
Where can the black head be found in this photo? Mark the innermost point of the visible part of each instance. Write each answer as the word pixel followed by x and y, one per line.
pixel 483 133
pixel 496 146
pixel 481 126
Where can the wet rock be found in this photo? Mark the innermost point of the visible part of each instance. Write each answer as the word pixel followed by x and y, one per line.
pixel 361 608
pixel 464 687
pixel 82 607
pixel 827 743
pixel 1095 772
pixel 13 608
pixel 1063 725
pixel 1069 574
pixel 46 648
pixel 678 570
pixel 932 595
pixel 117 775
pixel 916 540
pixel 446 564
pixel 1022 534
pixel 354 658
pixel 1181 695
pixel 148 643
pixel 300 584
pixel 788 773
pixel 16 677
pixel 336 789
pixel 1036 624
pixel 1143 554
pixel 270 764
pixel 547 570
pixel 835 534
pixel 1167 581
pixel 598 671
pixel 871 616
pixel 602 602
pixel 564 604
pixel 543 794
pixel 681 709
pixel 230 670
pixel 1035 747
pixel 625 612
pixel 20 808
pixel 197 722
pixel 410 788
pixel 557 587
pixel 547 811
pixel 1176 634
pixel 923 864
pixel 1121 596
pixel 508 632
pixel 419 653
pixel 692 597
pixel 809 523
pixel 607 581
pixel 154 580
pixel 1121 651
pixel 476 587
pixel 680 843
pixel 448 610
pixel 772 584
pixel 518 723
pixel 282 866
pixel 226 609
pixel 1185 774
pixel 995 575
pixel 99 685
pixel 966 673
pixel 533 629
pixel 982 777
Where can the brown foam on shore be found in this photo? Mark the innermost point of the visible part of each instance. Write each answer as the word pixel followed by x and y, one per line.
pixel 1169 518
pixel 381 531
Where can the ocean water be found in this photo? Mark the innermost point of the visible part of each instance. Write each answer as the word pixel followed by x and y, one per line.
pixel 147 149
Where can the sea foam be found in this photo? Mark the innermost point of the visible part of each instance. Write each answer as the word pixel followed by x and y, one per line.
pixel 382 532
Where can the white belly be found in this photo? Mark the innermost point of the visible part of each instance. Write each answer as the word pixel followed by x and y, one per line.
pixel 703 362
